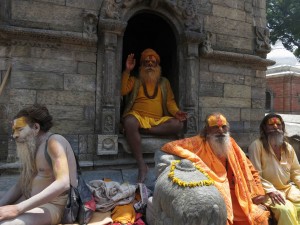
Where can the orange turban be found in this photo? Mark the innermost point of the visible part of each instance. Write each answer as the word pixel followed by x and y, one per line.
pixel 148 52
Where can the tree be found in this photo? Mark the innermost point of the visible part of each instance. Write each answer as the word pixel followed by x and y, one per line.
pixel 283 20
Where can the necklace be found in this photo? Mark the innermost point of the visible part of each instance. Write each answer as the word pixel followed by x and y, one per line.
pixel 146 92
pixel 191 184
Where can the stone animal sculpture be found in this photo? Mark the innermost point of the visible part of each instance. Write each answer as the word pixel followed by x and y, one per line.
pixel 188 203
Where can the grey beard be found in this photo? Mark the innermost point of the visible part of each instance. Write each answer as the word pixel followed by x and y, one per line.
pixel 276 138
pixel 151 76
pixel 220 144
pixel 26 153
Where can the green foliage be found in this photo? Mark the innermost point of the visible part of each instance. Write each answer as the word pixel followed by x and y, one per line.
pixel 283 17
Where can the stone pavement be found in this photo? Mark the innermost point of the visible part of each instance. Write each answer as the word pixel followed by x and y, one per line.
pixel 119 175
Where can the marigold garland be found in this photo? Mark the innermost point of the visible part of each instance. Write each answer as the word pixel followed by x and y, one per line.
pixel 191 184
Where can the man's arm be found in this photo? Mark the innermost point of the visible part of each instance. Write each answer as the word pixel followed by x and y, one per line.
pixel 61 173
pixel 172 106
pixel 254 153
pixel 127 81
pixel 60 185
pixel 295 168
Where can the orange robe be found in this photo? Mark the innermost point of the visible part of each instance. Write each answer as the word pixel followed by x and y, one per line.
pixel 246 183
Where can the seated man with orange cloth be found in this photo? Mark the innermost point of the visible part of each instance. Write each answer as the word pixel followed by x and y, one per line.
pixel 224 161
pixel 151 105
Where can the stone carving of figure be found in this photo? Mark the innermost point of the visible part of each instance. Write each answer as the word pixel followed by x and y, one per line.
pixel 90 25
pixel 262 40
pixel 206 45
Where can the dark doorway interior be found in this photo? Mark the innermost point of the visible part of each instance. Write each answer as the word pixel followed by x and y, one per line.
pixel 146 30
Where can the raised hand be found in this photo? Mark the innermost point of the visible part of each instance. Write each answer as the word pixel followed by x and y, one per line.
pixel 130 63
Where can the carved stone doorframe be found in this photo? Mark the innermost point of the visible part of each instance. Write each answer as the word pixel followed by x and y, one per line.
pixel 113 18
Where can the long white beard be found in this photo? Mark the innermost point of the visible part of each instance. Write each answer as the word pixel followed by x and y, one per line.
pixel 26 153
pixel 220 144
pixel 150 76
pixel 276 138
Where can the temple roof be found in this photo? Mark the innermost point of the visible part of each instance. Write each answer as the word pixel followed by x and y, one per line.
pixel 282 56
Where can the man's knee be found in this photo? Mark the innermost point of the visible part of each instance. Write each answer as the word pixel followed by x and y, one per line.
pixel 281 209
pixel 130 122
pixel 176 124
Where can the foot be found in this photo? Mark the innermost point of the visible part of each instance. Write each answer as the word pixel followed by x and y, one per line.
pixel 143 170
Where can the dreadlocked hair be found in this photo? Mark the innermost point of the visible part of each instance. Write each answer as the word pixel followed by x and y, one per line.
pixel 37 114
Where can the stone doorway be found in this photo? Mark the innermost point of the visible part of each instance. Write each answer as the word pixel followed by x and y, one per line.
pixel 130 28
pixel 147 30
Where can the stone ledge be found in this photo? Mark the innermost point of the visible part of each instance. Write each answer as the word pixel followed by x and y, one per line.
pixel 150 143
pixel 238 57
pixel 12 32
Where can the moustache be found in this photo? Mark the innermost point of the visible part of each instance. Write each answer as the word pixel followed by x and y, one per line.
pixel 149 68
pixel 274 131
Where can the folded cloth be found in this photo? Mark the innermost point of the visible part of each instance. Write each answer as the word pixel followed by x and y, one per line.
pixel 110 194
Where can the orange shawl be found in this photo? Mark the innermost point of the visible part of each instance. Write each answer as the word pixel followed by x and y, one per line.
pixel 247 186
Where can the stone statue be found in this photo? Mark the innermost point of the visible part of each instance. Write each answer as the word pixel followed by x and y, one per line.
pixel 183 195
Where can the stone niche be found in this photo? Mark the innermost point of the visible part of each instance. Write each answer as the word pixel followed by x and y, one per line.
pixel 70 55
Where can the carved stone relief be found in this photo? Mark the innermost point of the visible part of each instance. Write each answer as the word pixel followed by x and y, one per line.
pixel 107 145
pixel 190 11
pixel 191 127
pixel 262 41
pixel 206 45
pixel 90 20
pixel 108 121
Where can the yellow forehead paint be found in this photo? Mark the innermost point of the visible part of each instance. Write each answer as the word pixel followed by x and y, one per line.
pixel 218 120
pixel 19 123
pixel 274 120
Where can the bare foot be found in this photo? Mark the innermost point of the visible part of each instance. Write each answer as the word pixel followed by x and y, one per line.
pixel 143 170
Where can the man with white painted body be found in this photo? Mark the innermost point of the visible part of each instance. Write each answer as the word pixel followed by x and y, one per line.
pixel 40 195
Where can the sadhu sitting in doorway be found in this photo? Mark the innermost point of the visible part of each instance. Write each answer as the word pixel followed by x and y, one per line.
pixel 151 106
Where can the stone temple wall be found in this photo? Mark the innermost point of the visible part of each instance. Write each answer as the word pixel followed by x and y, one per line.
pixel 53 58
pixel 67 54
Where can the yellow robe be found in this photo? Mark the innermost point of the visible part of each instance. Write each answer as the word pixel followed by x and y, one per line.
pixel 247 183
pixel 149 111
pixel 277 176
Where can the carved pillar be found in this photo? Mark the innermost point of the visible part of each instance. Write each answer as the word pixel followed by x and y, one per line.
pixel 108 85
pixel 191 79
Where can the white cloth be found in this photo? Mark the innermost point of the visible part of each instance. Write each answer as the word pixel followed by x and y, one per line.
pixel 109 194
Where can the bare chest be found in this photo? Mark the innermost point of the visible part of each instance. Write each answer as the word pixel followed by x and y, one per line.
pixel 42 164
pixel 277 153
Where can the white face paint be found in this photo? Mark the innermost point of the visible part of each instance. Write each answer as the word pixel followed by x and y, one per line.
pixel 21 130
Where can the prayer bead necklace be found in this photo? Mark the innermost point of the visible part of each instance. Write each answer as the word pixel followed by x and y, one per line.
pixel 154 93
